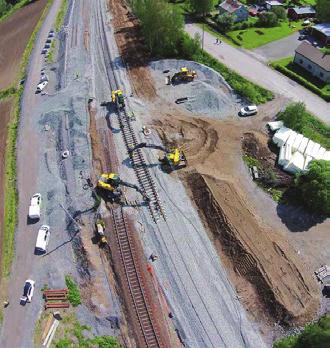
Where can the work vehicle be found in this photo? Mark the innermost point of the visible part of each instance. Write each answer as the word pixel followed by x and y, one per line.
pixel 117 98
pixel 34 209
pixel 184 75
pixel 249 110
pixel 100 228
pixel 42 85
pixel 111 183
pixel 173 159
pixel 42 239
pixel 28 291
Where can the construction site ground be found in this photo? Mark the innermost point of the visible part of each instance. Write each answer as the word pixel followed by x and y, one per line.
pixel 264 245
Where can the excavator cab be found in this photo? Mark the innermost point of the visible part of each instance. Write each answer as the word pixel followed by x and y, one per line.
pixel 184 75
pixel 117 97
pixel 111 182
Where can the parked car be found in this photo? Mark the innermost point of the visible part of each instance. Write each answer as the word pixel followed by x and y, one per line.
pixel 34 209
pixel 42 85
pixel 48 41
pixel 42 239
pixel 302 37
pixel 44 50
pixel 249 110
pixel 28 291
pixel 47 46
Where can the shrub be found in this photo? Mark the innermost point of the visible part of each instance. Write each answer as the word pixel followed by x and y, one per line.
pixel 279 12
pixel 73 291
pixel 259 32
pixel 239 37
pixel 268 19
pixel 225 22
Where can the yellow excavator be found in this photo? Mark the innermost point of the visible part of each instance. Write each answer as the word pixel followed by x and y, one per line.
pixel 112 182
pixel 184 75
pixel 173 159
pixel 117 98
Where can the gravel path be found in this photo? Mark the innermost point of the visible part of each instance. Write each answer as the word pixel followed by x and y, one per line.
pixel 251 68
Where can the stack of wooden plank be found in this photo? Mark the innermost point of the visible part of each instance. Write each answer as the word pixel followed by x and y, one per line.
pixel 56 298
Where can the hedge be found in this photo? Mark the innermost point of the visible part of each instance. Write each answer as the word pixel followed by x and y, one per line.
pixel 292 75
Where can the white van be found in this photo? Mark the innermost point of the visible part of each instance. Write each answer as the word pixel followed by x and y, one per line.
pixel 42 239
pixel 34 209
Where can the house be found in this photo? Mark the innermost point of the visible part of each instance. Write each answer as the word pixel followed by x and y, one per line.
pixel 322 32
pixel 271 4
pixel 235 8
pixel 313 60
pixel 296 13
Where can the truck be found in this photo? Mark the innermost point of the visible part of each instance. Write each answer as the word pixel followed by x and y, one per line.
pixel 34 209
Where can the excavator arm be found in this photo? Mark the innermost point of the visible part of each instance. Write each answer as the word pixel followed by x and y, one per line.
pixel 135 187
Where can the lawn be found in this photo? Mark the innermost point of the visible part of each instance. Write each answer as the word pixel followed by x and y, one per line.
pixel 288 64
pixel 255 37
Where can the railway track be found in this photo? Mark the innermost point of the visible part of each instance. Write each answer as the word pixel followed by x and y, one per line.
pixel 133 278
pixel 138 162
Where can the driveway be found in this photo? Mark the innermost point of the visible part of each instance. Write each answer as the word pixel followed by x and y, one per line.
pixel 278 49
pixel 251 68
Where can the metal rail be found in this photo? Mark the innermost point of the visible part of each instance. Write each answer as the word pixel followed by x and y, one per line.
pixel 133 277
pixel 137 159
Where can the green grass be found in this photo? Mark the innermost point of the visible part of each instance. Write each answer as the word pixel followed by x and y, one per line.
pixel 5 93
pixel 13 9
pixel 10 200
pixel 254 93
pixel 71 333
pixel 51 52
pixel 251 38
pixel 60 15
pixel 287 63
pixel 73 291
pixel 251 161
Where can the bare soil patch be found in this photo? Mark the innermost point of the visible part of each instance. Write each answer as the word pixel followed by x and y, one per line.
pixel 132 49
pixel 5 111
pixel 15 32
pixel 270 278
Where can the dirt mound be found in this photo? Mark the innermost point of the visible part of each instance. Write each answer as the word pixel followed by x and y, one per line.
pixel 15 32
pixel 261 257
pixel 208 94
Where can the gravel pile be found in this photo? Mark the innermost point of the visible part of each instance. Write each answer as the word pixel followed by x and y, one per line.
pixel 209 94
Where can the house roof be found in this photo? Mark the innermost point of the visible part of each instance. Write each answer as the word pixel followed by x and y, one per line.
pixel 314 55
pixel 304 10
pixel 230 5
pixel 273 3
pixel 323 28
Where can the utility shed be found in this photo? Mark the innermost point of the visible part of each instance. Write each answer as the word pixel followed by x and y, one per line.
pixel 303 145
pixel 296 164
pixel 281 136
pixel 297 142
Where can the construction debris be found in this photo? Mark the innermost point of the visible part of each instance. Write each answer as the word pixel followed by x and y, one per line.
pixel 56 298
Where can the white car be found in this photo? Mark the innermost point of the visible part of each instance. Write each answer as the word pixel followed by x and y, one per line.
pixel 28 291
pixel 42 239
pixel 42 85
pixel 249 110
pixel 34 209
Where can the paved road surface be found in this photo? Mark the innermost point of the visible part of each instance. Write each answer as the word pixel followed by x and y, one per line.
pixel 15 332
pixel 251 68
pixel 278 49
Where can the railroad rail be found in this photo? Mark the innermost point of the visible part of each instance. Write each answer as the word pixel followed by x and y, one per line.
pixel 133 278
pixel 138 162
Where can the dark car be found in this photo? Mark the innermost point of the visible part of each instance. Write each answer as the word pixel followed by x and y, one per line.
pixel 302 37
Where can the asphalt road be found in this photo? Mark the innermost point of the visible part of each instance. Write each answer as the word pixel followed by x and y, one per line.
pixel 14 333
pixel 250 67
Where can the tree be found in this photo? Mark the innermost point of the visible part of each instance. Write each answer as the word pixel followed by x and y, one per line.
pixel 201 7
pixel 294 116
pixel 268 19
pixel 280 12
pixel 323 10
pixel 314 186
pixel 225 22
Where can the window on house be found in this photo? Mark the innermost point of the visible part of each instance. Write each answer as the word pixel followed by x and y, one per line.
pixel 300 61
pixel 309 67
pixel 321 74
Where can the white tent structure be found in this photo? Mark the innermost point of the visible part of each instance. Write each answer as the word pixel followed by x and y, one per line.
pixel 326 156
pixel 292 138
pixel 281 136
pixel 296 164
pixel 307 161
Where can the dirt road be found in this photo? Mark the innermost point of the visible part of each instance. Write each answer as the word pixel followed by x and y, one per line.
pixel 15 32
pixel 249 67
pixel 27 161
